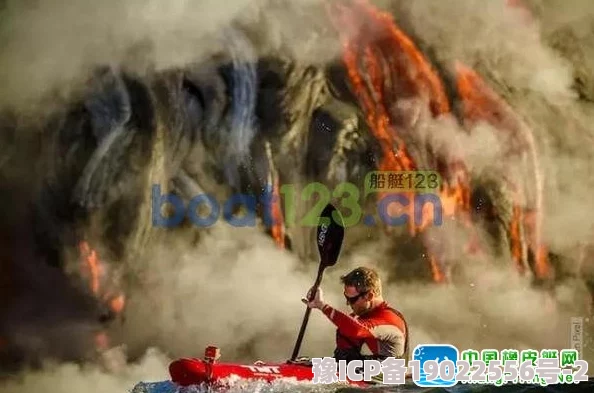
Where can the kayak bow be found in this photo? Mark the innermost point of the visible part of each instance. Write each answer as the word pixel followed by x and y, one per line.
pixel 193 371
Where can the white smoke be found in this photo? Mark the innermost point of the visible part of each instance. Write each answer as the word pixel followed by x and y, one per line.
pixel 90 378
pixel 52 46
pixel 236 289
pixel 522 53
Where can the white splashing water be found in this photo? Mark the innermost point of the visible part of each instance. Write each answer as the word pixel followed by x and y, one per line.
pixel 238 385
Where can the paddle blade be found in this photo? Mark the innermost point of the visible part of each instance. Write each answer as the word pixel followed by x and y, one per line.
pixel 330 235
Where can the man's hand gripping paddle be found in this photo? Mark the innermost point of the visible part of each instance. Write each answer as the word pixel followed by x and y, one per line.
pixel 329 238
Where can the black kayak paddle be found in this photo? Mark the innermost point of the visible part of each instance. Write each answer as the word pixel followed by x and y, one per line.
pixel 330 234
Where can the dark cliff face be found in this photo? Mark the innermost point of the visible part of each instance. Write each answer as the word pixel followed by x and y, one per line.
pixel 85 173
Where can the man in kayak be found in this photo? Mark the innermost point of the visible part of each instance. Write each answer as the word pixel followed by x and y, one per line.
pixel 374 330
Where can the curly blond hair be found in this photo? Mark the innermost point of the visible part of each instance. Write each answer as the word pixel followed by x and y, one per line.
pixel 364 279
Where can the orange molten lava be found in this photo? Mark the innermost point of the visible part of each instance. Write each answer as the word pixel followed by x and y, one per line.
pixel 94 269
pixel 521 6
pixel 101 341
pixel 482 104
pixel 117 304
pixel 91 265
pixel 438 276
pixel 383 64
pixel 278 227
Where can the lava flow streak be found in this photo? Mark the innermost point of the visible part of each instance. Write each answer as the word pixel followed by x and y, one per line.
pixel 383 66
pixel 92 267
pixel 482 104
pixel 277 226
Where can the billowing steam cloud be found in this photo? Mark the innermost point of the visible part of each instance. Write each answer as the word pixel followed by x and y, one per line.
pixel 233 287
pixel 525 57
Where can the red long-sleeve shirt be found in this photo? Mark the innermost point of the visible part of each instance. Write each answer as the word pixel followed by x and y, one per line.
pixel 380 332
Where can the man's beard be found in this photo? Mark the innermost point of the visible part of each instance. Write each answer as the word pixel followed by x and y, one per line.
pixel 363 311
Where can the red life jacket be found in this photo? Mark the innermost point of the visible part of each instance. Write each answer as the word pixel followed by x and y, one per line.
pixel 380 330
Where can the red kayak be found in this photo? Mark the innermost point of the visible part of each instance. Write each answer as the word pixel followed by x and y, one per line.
pixel 193 371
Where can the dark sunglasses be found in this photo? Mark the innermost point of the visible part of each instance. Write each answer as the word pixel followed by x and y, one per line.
pixel 353 299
